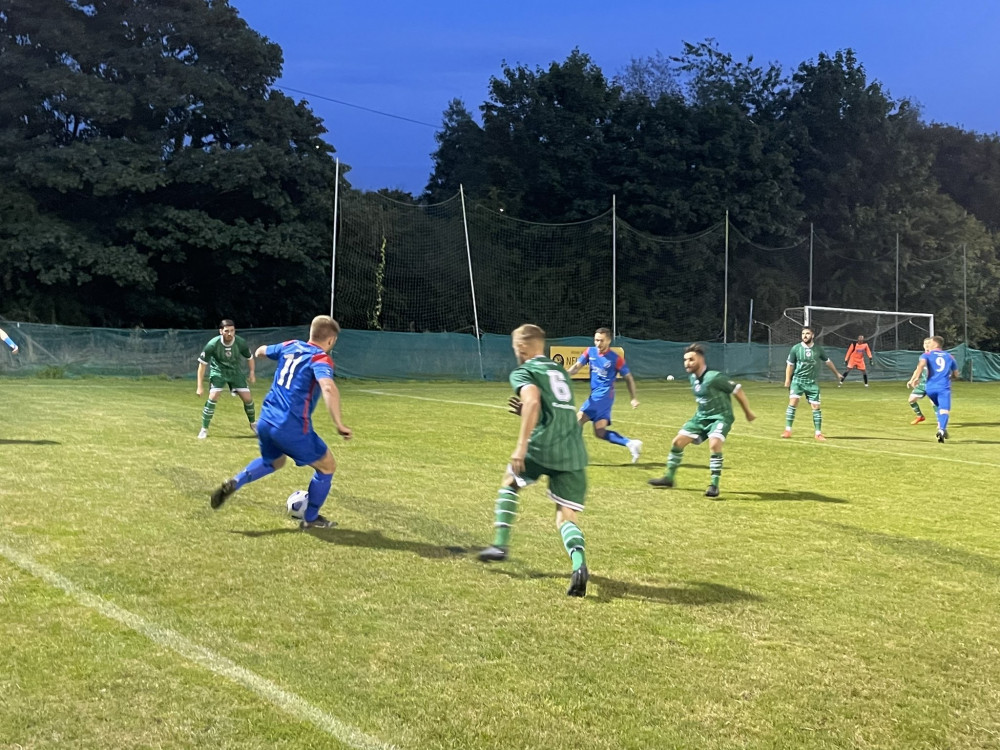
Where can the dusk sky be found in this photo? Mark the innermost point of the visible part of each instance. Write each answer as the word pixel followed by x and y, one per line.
pixel 410 59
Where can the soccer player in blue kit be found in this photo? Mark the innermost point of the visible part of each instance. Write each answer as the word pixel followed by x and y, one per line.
pixel 942 369
pixel 604 368
pixel 284 428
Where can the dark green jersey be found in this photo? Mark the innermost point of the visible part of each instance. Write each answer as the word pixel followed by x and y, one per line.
pixel 225 361
pixel 557 440
pixel 805 360
pixel 713 391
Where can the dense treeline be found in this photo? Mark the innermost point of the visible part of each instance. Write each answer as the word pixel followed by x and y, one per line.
pixel 681 141
pixel 153 175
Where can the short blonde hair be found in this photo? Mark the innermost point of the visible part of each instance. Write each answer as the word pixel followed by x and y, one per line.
pixel 323 327
pixel 528 332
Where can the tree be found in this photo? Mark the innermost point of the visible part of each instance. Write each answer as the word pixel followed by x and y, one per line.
pixel 155 175
pixel 459 156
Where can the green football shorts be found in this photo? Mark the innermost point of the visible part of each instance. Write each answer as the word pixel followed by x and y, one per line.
pixel 566 488
pixel 703 428
pixel 811 391
pixel 231 383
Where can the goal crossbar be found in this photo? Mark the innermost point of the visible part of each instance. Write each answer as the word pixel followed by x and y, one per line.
pixel 901 313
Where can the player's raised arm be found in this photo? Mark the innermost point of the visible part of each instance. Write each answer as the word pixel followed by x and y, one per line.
pixel 331 397
pixel 531 406
pixel 260 351
pixel 8 341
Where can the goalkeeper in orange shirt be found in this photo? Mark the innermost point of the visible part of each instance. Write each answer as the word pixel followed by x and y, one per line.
pixel 855 358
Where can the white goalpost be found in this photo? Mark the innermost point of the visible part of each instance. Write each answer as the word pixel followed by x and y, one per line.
pixel 839 326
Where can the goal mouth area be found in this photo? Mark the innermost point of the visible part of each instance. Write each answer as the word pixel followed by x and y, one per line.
pixel 841 326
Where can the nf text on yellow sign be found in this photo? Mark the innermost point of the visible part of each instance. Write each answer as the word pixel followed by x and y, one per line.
pixel 568 355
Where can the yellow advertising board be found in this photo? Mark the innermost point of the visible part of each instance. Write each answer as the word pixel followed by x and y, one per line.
pixel 568 355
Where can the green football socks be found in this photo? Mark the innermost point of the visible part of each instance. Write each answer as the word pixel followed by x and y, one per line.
pixel 207 413
pixel 250 411
pixel 572 539
pixel 504 514
pixel 818 419
pixel 673 461
pixel 715 467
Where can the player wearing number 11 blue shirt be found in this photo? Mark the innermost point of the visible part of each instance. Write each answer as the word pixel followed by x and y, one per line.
pixel 941 370
pixel 304 373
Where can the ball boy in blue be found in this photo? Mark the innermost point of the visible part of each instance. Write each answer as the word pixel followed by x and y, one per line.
pixel 941 370
pixel 605 365
pixel 304 373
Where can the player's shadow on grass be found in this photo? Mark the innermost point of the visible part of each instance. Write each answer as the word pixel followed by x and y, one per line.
pixel 789 496
pixel 927 549
pixel 638 464
pixel 688 593
pixel 371 539
pixel 29 442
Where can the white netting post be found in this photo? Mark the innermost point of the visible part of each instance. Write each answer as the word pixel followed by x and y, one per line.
pixel 472 283
pixel 614 267
pixel 333 252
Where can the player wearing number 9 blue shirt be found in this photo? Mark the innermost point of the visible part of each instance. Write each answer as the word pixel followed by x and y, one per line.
pixel 304 373
pixel 941 370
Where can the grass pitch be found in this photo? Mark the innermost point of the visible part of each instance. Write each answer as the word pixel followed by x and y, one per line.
pixel 838 595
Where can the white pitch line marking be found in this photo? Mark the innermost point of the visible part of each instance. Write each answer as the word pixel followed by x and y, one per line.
pixel 287 701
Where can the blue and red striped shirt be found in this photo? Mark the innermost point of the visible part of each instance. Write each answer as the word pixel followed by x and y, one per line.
pixel 295 390
pixel 604 368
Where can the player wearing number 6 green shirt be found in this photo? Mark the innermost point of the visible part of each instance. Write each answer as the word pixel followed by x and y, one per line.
pixel 550 442
pixel 224 356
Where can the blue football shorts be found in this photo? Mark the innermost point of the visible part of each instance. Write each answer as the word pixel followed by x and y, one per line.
pixel 303 448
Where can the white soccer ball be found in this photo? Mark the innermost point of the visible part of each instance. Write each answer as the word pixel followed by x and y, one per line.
pixel 670 377
pixel 297 503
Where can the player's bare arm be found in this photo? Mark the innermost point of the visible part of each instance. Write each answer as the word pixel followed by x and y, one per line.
pixel 201 377
pixel 833 368
pixel 630 382
pixel 331 397
pixel 915 378
pixel 744 402
pixel 260 351
pixel 531 406
pixel 574 368
pixel 789 369
pixel 253 373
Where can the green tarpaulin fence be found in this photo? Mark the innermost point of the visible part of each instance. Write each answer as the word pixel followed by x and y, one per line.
pixel 69 351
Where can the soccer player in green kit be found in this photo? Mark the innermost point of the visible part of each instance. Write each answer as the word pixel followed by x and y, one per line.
pixel 711 421
pixel 222 356
pixel 549 442
pixel 801 373
pixel 915 395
